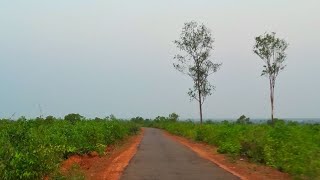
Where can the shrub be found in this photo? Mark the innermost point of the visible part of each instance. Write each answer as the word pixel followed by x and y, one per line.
pixel 287 146
pixel 32 149
pixel 73 118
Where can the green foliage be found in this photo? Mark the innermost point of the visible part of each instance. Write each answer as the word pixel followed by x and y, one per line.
pixel 243 120
pixel 75 173
pixel 272 51
pixel 50 118
pixel 32 149
pixel 73 118
pixel 289 147
pixel 112 117
pixel 173 117
pixel 160 118
pixel 138 120
pixel 196 46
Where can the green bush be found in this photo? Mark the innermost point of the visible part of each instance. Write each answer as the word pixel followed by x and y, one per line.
pixel 73 118
pixel 288 146
pixel 32 149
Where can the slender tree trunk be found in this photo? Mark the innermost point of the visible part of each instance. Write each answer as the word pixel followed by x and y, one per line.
pixel 200 106
pixel 272 108
pixel 272 100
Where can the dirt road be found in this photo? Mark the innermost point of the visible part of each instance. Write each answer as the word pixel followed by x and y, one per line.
pixel 160 158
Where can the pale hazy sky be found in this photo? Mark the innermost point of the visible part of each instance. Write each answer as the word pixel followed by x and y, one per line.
pixel 100 57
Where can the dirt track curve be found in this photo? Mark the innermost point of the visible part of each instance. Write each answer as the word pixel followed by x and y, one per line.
pixel 160 158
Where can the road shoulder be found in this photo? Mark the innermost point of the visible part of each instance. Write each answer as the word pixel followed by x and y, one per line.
pixel 110 166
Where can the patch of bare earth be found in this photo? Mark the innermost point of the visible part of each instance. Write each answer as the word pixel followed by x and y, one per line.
pixel 241 168
pixel 109 166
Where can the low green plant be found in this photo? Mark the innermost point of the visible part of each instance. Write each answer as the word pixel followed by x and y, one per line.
pixel 288 146
pixel 33 149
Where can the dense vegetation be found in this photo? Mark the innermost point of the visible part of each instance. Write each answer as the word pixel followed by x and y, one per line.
pixel 32 149
pixel 288 146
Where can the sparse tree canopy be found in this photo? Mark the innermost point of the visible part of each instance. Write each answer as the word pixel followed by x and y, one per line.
pixel 196 44
pixel 272 51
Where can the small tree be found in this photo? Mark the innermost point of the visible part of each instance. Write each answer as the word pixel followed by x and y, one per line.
pixel 73 118
pixel 196 43
pixel 138 120
pixel 243 120
pixel 173 117
pixel 50 118
pixel 160 119
pixel 111 117
pixel 272 51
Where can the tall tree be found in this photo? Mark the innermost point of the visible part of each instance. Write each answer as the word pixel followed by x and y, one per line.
pixel 196 44
pixel 272 51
